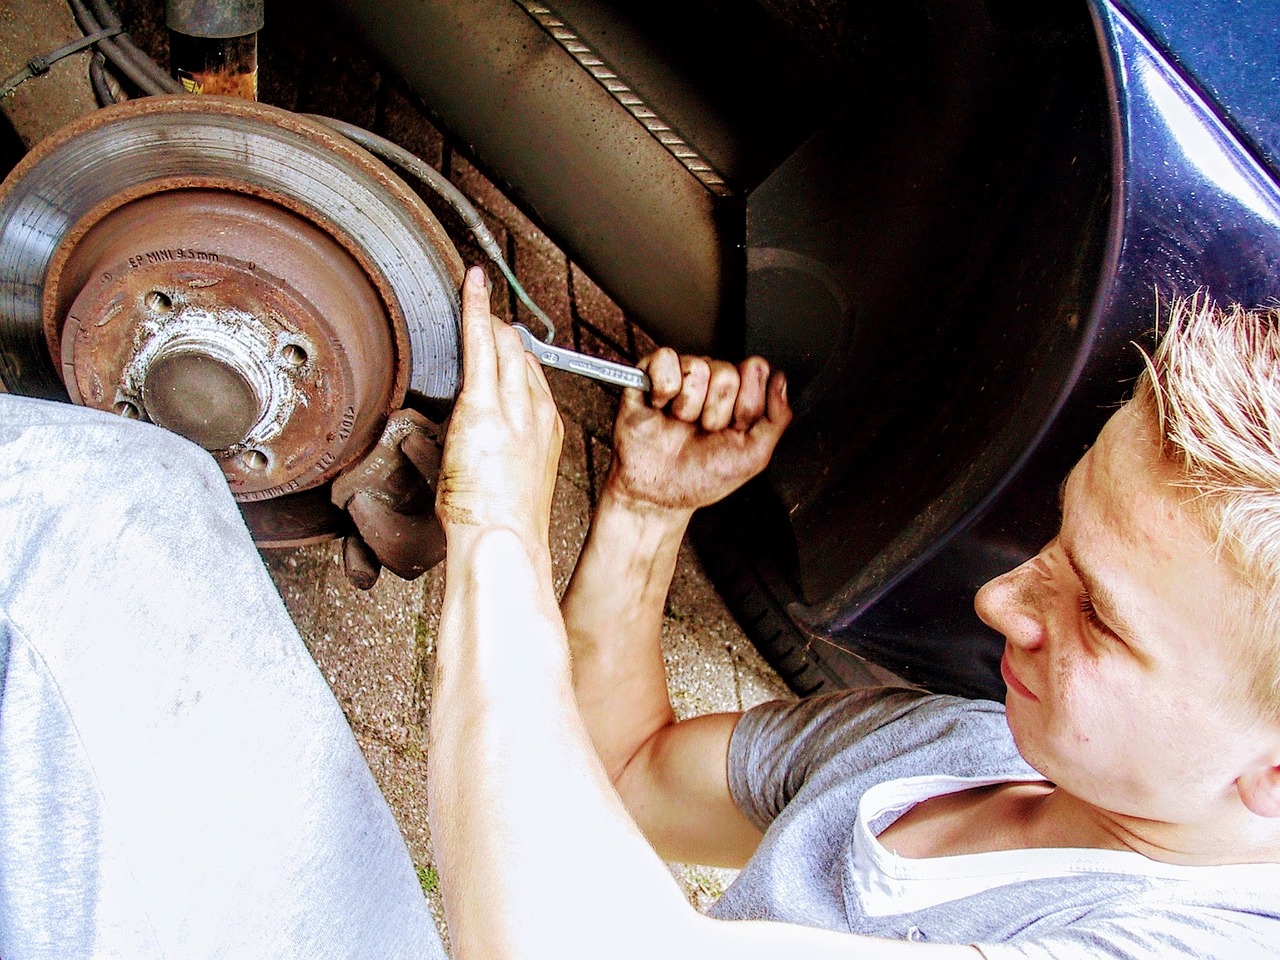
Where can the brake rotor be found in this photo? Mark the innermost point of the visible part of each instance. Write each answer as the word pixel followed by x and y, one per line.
pixel 234 273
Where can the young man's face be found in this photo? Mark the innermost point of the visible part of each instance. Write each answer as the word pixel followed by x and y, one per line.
pixel 1123 643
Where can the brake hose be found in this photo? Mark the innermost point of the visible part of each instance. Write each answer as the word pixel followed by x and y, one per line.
pixel 431 177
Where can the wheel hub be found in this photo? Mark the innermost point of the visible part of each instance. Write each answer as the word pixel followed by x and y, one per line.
pixel 283 366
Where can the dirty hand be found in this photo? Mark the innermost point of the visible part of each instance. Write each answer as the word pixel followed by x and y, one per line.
pixel 706 428
pixel 503 444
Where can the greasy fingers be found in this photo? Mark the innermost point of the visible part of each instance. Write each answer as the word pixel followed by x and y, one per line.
pixel 696 378
pixel 663 367
pixel 708 428
pixel 753 375
pixel 777 414
pixel 722 394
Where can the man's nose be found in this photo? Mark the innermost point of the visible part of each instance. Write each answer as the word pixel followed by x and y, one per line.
pixel 1013 603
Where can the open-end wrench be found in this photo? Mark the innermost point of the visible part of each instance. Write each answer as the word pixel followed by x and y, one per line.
pixel 562 358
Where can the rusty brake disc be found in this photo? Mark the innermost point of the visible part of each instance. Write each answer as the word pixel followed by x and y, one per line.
pixel 234 273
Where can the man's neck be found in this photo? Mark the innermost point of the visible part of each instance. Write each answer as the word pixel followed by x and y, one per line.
pixel 1232 836
pixel 1023 816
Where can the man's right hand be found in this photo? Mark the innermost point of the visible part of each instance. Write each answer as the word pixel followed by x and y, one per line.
pixel 500 455
pixel 706 428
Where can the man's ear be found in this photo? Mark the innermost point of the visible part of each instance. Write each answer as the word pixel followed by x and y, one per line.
pixel 1260 790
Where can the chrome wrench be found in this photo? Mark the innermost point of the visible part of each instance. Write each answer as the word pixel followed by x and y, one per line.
pixel 562 358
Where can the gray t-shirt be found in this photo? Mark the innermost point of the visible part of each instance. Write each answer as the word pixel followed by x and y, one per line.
pixel 824 777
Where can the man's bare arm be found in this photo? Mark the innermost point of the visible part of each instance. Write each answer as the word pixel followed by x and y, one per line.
pixel 672 776
pixel 538 857
pixel 706 428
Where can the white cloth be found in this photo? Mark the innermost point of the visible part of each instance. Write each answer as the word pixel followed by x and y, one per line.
pixel 176 779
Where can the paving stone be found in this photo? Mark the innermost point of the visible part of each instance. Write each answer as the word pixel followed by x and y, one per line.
pixel 365 644
pixel 574 467
pixel 545 278
pixel 600 459
pixel 403 121
pixel 569 520
pixel 299 575
pixel 591 404
pixel 482 192
pixel 588 341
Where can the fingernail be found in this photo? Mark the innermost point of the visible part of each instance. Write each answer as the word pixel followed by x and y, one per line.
pixel 783 390
pixel 479 276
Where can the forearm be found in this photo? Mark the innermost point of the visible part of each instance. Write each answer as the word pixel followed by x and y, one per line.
pixel 537 855
pixel 613 611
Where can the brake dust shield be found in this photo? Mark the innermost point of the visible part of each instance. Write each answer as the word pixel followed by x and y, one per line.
pixel 234 273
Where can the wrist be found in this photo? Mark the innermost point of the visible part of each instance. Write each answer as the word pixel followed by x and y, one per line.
pixel 640 539
pixel 616 499
pixel 462 540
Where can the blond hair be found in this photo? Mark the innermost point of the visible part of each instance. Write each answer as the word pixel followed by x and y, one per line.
pixel 1214 384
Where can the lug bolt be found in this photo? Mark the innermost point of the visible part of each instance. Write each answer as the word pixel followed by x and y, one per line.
pixel 127 410
pixel 255 459
pixel 157 302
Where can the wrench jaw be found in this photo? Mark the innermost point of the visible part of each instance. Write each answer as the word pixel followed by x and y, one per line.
pixel 531 343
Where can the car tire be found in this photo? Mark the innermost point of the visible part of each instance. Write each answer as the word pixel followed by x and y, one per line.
pixel 758 599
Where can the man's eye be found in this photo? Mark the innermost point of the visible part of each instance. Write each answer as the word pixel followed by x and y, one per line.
pixel 1090 614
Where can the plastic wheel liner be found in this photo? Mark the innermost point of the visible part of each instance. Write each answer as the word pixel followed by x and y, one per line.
pixel 236 273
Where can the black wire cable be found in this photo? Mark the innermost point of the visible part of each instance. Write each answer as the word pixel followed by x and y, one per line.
pixel 98 78
pixel 112 52
pixel 108 17
pixel 41 63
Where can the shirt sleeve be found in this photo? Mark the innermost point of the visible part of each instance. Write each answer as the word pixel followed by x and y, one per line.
pixel 776 747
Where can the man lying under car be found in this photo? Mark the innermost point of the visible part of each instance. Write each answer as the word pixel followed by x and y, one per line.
pixel 1124 802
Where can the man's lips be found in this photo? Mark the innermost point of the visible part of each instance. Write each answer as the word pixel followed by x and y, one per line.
pixel 1011 681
